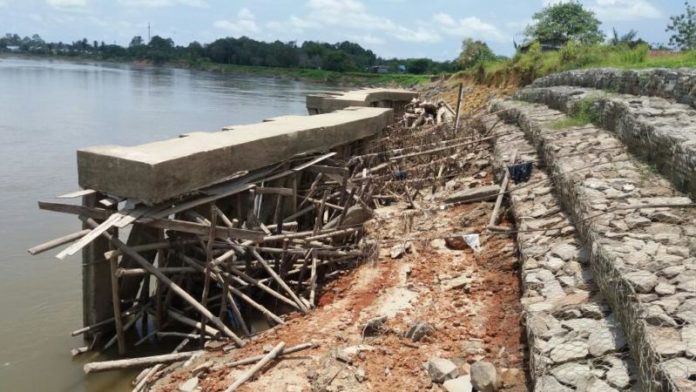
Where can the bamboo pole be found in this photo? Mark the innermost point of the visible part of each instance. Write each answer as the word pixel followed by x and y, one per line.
pixel 143 381
pixel 102 366
pixel 52 244
pixel 260 364
pixel 168 282
pixel 256 358
pixel 313 281
pixel 208 263
pixel 116 299
pixel 278 280
pixel 240 294
pixel 205 329
pixel 459 105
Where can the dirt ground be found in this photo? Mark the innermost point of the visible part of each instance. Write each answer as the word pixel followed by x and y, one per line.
pixel 468 300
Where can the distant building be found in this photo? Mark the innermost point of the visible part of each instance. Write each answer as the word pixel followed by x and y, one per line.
pixel 13 48
pixel 382 69
pixel 402 68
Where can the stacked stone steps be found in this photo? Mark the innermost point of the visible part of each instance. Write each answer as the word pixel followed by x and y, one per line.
pixel 642 259
pixel 655 129
pixel 574 340
pixel 678 85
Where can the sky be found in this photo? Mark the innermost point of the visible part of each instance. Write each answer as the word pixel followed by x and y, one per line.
pixel 391 28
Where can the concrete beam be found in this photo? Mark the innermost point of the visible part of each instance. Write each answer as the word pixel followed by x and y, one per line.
pixel 159 171
pixel 375 97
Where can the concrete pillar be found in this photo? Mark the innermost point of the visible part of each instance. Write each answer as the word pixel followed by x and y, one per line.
pixel 96 276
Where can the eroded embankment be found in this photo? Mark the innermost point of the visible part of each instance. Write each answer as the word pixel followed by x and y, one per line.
pixel 419 315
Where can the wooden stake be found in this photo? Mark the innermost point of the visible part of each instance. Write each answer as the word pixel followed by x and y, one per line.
pixel 116 299
pixel 459 105
pixel 501 194
pixel 258 366
pixel 313 281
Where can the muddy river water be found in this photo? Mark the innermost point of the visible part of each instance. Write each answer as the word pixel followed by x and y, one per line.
pixel 48 109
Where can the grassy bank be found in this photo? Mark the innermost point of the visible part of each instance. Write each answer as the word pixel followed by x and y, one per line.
pixel 523 68
pixel 317 75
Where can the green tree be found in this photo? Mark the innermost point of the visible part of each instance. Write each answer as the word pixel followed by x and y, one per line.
pixel 474 53
pixel 337 61
pixel 136 41
pixel 563 22
pixel 683 28
pixel 418 66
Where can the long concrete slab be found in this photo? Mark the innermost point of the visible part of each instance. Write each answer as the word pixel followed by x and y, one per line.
pixel 162 170
pixel 374 97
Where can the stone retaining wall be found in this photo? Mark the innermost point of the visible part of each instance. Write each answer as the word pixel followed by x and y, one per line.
pixel 654 129
pixel 676 84
pixel 642 259
pixel 574 341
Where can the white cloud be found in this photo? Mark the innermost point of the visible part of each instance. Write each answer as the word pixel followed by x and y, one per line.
pixel 470 26
pixel 164 3
pixel 353 17
pixel 337 6
pixel 368 39
pixel 618 10
pixel 66 3
pixel 245 24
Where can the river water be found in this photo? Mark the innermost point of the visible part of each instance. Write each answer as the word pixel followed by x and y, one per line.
pixel 48 109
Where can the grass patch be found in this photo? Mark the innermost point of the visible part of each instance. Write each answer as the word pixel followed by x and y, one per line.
pixel 582 114
pixel 523 68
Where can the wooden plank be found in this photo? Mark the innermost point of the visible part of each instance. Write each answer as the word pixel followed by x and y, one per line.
pixel 91 236
pixel 94 213
pixel 274 191
pixel 202 229
pixel 313 162
pixel 80 193
pixel 223 192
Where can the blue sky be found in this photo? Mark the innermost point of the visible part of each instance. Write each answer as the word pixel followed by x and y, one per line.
pixel 402 28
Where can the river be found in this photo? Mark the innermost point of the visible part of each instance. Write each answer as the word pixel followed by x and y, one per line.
pixel 48 109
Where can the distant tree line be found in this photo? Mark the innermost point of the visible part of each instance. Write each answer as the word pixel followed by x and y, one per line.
pixel 342 57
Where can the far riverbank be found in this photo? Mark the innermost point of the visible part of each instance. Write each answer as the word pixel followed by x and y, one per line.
pixel 348 79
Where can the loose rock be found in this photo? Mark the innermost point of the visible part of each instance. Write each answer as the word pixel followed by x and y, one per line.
pixel 441 370
pixel 484 377
pixel 459 384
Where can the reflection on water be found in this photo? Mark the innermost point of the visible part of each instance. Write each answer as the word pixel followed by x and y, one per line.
pixel 48 109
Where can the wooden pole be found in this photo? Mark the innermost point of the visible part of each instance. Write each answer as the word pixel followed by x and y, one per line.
pixel 313 281
pixel 116 299
pixel 143 381
pixel 168 282
pixel 102 366
pixel 48 245
pixel 501 194
pixel 459 105
pixel 256 358
pixel 277 278
pixel 258 366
